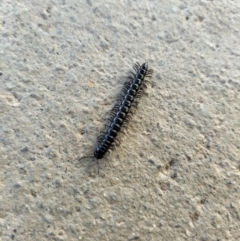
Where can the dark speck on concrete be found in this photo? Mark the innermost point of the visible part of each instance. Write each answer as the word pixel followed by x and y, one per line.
pixel 24 149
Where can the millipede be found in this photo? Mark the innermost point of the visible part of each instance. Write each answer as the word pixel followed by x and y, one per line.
pixel 121 114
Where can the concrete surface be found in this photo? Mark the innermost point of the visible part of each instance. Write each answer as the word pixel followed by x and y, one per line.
pixel 176 174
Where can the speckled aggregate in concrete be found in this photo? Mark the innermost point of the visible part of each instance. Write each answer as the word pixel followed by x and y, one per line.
pixel 176 174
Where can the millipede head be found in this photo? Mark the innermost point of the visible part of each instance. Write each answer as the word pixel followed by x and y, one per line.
pixel 98 154
pixel 145 65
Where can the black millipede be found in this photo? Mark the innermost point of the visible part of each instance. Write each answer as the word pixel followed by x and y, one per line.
pixel 132 90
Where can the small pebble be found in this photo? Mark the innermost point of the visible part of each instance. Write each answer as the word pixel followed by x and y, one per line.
pixel 24 149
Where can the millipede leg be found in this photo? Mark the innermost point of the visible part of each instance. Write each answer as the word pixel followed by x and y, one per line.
pixel 98 166
pixel 130 78
pixel 117 142
pixel 136 67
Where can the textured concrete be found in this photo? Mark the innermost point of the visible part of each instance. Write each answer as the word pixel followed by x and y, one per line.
pixel 176 175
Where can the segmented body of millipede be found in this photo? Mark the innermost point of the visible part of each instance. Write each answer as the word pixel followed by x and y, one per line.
pixel 120 114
